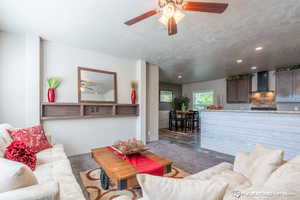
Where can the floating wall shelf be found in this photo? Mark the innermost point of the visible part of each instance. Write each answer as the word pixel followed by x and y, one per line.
pixel 54 111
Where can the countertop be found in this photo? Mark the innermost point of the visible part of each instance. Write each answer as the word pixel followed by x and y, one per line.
pixel 255 111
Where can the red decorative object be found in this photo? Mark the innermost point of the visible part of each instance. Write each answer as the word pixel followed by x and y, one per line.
pixel 20 152
pixel 133 96
pixel 33 137
pixel 51 95
pixel 142 163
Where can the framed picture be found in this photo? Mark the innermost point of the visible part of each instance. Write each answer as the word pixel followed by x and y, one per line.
pixel 166 96
pixel 96 86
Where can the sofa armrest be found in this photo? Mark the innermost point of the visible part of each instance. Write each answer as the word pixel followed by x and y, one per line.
pixel 45 191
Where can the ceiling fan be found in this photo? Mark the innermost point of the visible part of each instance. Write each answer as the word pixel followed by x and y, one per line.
pixel 172 14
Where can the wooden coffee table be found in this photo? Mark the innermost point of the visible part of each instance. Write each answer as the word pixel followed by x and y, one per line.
pixel 118 171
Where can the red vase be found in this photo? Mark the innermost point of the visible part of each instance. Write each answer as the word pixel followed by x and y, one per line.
pixel 51 95
pixel 133 96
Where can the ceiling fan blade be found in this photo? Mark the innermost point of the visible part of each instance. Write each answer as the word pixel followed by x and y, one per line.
pixel 172 26
pixel 141 17
pixel 205 7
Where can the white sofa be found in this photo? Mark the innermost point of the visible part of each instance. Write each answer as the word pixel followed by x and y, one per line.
pixel 53 173
pixel 258 175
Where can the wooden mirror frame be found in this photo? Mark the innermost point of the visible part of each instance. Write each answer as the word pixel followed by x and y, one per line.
pixel 99 71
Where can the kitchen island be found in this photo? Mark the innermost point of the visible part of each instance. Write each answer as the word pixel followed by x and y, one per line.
pixel 232 131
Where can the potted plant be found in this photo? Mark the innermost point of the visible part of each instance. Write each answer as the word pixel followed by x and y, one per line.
pixel 53 83
pixel 181 102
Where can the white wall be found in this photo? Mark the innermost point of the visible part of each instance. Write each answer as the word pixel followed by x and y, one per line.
pixel 152 102
pixel 79 136
pixel 12 79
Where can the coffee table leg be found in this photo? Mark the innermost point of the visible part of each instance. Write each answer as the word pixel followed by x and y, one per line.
pixel 122 184
pixel 104 180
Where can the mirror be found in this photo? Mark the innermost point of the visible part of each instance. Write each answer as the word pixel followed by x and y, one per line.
pixel 96 86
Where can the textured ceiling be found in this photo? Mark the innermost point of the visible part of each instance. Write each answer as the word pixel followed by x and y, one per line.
pixel 205 48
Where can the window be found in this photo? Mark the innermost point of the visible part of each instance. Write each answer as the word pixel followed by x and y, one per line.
pixel 166 96
pixel 202 99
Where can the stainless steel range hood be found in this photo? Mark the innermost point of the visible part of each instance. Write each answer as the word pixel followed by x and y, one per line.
pixel 263 82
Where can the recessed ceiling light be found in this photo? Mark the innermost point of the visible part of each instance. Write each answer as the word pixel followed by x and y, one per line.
pixel 258 48
pixel 253 67
pixel 239 61
pixel 179 76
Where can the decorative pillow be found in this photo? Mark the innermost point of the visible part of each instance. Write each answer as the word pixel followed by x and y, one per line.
pixel 287 178
pixel 33 137
pixel 18 151
pixel 259 164
pixel 5 138
pixel 158 188
pixel 15 175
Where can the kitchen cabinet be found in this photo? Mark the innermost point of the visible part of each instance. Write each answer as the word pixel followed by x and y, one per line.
pixel 288 86
pixel 238 90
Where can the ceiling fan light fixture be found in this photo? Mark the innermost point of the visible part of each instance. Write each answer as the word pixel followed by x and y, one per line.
pixel 178 16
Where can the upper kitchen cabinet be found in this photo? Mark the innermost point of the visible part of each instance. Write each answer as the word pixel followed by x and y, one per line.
pixel 288 86
pixel 238 90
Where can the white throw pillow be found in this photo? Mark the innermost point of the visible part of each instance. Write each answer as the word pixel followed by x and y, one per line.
pixel 5 138
pixel 15 175
pixel 259 164
pixel 162 188
pixel 283 184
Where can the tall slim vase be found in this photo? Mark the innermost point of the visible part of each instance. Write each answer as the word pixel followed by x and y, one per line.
pixel 51 95
pixel 133 96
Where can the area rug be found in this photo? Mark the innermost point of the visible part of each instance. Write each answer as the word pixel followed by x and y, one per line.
pixel 91 182
pixel 178 133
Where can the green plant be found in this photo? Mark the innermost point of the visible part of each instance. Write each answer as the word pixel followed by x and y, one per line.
pixel 54 82
pixel 289 68
pixel 179 101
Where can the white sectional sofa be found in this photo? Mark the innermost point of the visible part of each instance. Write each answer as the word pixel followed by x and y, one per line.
pixel 258 175
pixel 53 173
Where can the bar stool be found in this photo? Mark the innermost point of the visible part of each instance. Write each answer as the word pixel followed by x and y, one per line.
pixel 196 120
pixel 180 120
pixel 173 120
pixel 188 122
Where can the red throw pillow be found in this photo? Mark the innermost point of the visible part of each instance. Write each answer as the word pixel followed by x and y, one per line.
pixel 20 152
pixel 33 137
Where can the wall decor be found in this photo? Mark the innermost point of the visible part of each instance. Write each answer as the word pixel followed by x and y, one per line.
pixel 97 86
pixel 53 83
pixel 165 96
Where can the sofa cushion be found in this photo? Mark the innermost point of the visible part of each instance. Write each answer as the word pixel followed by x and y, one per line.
pixel 259 164
pixel 15 175
pixel 47 172
pixel 50 155
pixel 158 188
pixel 46 191
pixel 69 188
pixel 210 172
pixel 34 137
pixel 223 172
